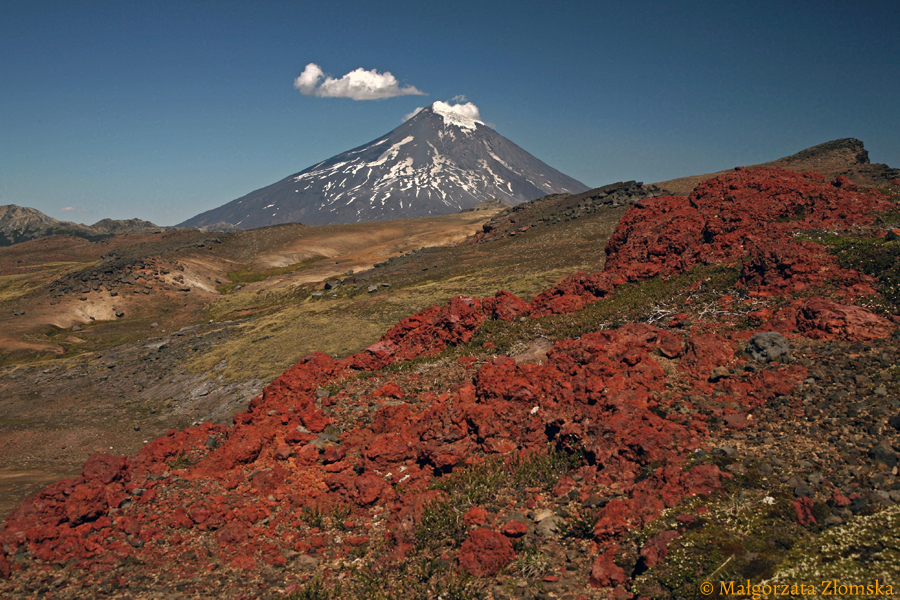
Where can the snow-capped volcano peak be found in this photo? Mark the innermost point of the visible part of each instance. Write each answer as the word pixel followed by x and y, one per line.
pixel 442 159
pixel 462 115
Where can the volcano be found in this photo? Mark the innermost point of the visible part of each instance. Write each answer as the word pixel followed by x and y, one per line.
pixel 442 160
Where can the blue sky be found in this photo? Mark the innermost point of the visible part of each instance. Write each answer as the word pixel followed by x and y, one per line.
pixel 161 110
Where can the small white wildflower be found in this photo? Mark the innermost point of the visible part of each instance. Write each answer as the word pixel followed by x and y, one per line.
pixel 768 500
pixel 535 409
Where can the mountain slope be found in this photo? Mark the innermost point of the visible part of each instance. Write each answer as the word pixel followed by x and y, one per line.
pixel 437 162
pixel 846 157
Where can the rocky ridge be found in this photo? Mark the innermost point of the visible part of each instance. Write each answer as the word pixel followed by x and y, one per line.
pixel 19 224
pixel 371 458
pixel 561 208
pixel 847 157
pixel 117 272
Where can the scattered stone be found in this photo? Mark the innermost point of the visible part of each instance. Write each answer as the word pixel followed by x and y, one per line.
pixel 306 562
pixel 718 374
pixel 769 346
pixel 884 453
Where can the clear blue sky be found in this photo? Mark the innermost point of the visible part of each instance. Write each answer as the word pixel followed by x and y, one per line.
pixel 161 110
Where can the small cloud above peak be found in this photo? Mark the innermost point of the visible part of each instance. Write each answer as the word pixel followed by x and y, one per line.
pixel 461 114
pixel 357 85
pixel 467 110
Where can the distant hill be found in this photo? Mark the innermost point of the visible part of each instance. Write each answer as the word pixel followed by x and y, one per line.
pixel 846 157
pixel 125 226
pixel 21 223
pixel 438 162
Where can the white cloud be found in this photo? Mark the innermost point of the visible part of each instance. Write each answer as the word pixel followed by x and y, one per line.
pixel 358 85
pixel 468 109
pixel 72 209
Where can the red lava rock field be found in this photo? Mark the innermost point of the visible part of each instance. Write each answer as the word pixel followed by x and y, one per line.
pixel 355 461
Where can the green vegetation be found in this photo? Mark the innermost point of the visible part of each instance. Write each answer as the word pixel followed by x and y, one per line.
pixel 441 524
pixel 580 526
pixel 744 535
pixel 483 483
pixel 533 564
pixel 862 550
pixel 422 579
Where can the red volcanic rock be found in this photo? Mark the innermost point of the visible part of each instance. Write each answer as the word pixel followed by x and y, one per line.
pixel 563 486
pixel 656 548
pixel 105 468
pixel 505 306
pixel 389 449
pixel 803 510
pixel 658 236
pixel 737 421
pixel 745 214
pixel 391 418
pixel 485 552
pixel 377 355
pixel 729 217
pixel 574 292
pixel 780 267
pixel 818 318
pixel 87 501
pixel 389 390
pixel 268 481
pixel 475 516
pixel 232 534
pixel 605 572
pixel 841 181
pixel 839 499
pixel 705 352
pixel 514 529
pixel 424 333
pixel 334 454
